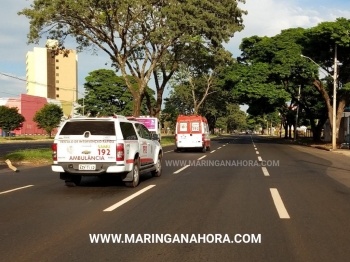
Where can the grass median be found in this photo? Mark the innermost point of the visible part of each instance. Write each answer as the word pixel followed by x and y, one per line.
pixel 12 139
pixel 167 141
pixel 34 156
pixel 44 156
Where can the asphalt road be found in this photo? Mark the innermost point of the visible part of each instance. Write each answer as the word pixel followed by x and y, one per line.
pixel 297 210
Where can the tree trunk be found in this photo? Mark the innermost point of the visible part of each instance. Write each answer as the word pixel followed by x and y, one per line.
pixel 290 131
pixel 136 105
pixel 316 134
pixel 154 111
pixel 340 107
pixel 340 111
pixel 285 126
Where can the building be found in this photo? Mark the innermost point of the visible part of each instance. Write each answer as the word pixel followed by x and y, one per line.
pixel 53 73
pixel 28 106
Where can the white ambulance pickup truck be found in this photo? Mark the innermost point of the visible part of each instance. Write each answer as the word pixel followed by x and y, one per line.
pixel 105 146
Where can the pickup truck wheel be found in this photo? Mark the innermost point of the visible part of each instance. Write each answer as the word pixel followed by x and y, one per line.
pixel 73 181
pixel 158 165
pixel 135 174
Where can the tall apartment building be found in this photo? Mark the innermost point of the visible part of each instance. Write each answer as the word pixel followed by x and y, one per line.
pixel 53 76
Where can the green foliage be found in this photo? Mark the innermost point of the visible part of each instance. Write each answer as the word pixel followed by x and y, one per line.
pixel 10 118
pixel 236 119
pixel 221 123
pixel 138 36
pixel 49 117
pixel 252 84
pixel 107 94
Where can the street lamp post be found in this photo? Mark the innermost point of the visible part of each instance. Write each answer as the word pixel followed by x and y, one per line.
pixel 334 127
pixel 296 117
pixel 334 114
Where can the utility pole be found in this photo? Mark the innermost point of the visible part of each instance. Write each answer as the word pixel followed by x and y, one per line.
pixel 296 117
pixel 334 122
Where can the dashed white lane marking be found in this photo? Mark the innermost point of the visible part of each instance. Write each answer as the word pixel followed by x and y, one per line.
pixel 257 152
pixel 122 202
pixel 219 147
pixel 259 158
pixel 168 151
pixel 255 148
pixel 212 151
pixel 182 168
pixel 18 188
pixel 224 145
pixel 201 157
pixel 264 169
pixel 282 211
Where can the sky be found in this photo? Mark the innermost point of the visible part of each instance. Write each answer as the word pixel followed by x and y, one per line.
pixel 264 18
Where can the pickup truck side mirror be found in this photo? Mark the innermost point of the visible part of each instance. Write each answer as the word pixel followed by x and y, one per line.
pixel 155 137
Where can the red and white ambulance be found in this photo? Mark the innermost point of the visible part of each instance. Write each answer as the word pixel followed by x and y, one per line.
pixel 192 132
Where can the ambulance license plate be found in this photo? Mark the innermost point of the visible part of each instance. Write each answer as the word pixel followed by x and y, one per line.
pixel 87 167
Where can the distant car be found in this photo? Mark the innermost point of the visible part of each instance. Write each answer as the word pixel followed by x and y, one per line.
pixel 105 146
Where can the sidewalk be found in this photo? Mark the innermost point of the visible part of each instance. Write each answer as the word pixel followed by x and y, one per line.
pixel 325 147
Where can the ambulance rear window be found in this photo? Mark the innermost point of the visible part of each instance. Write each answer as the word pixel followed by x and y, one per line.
pixel 100 128
pixel 183 126
pixel 195 126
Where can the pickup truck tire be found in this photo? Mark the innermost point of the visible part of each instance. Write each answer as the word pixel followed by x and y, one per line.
pixel 73 181
pixel 135 174
pixel 158 165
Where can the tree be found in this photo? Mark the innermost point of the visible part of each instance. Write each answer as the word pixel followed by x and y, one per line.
pixel 271 75
pixel 319 44
pixel 236 119
pixel 199 73
pixel 136 34
pixel 10 118
pixel 48 117
pixel 107 94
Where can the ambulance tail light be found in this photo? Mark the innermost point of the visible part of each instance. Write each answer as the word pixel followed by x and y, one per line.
pixel 54 151
pixel 120 152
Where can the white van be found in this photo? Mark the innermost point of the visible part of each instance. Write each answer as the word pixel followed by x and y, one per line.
pixel 192 132
pixel 152 124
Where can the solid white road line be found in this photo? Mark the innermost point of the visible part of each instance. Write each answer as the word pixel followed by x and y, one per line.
pixel 257 152
pixel 8 191
pixel 264 169
pixel 212 151
pixel 182 168
pixel 282 211
pixel 259 158
pixel 122 202
pixel 201 157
